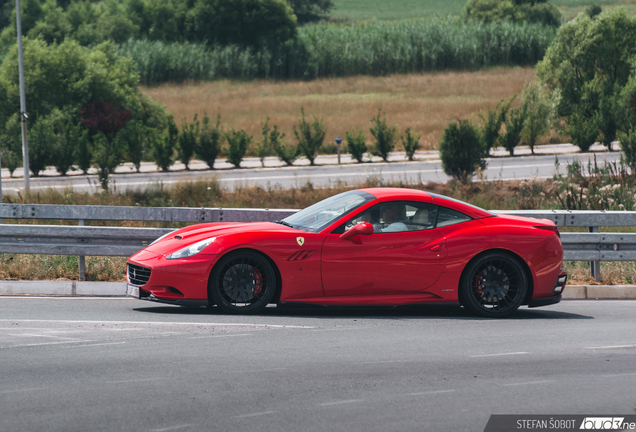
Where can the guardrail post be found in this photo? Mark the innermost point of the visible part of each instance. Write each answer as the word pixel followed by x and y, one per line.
pixel 595 266
pixel 82 259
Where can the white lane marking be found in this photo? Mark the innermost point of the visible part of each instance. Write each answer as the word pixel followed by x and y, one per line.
pixel 97 344
pixel 344 328
pixel 254 414
pixel 160 323
pixel 218 336
pixel 500 354
pixel 612 346
pixel 619 375
pixel 385 361
pixel 430 392
pixel 44 343
pixel 341 402
pixel 527 383
pixel 171 428
pixel 21 390
pixel 257 370
pixel 41 336
pixel 132 380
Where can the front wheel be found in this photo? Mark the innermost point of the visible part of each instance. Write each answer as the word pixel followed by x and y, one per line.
pixel 242 282
pixel 493 286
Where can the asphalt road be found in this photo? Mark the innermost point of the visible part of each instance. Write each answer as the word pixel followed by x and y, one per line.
pixel 430 170
pixel 89 364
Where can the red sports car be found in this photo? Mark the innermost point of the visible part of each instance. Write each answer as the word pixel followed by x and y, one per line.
pixel 380 246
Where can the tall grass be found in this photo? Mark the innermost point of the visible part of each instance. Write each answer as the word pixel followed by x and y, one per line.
pixel 330 50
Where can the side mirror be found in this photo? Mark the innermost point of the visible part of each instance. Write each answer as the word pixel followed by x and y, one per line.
pixel 364 228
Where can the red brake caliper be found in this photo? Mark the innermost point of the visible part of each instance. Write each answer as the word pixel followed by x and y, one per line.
pixel 258 281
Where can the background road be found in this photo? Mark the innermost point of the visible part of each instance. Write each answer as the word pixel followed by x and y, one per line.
pixel 429 170
pixel 78 364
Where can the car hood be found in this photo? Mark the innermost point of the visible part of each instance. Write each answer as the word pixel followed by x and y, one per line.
pixel 195 233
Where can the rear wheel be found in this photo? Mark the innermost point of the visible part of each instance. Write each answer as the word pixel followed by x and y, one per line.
pixel 242 282
pixel 493 286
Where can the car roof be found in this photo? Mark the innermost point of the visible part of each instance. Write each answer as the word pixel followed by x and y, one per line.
pixel 391 194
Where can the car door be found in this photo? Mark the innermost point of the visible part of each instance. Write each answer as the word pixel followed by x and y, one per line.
pixel 405 253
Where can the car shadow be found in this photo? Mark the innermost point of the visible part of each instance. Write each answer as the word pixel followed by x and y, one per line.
pixel 424 311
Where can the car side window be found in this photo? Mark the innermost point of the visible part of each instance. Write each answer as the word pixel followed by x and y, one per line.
pixel 395 216
pixel 446 216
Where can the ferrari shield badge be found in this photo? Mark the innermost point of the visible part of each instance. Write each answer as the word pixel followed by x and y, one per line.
pixel 300 240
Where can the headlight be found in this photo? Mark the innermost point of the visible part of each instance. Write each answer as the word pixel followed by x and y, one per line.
pixel 193 249
pixel 161 238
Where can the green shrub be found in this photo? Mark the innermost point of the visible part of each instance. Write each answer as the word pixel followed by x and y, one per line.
pixel 287 154
pixel 410 142
pixel 356 144
pixel 539 109
pixel 238 142
pixel 265 147
pixel 628 145
pixel 163 146
pixel 310 136
pixel 107 155
pixel 593 10
pixel 134 137
pixel 84 154
pixel 584 132
pixel 514 124
pixel 67 143
pixel 462 150
pixel 491 124
pixel 310 10
pixel 209 144
pixel 384 135
pixel 188 140
pixel 41 136
pixel 11 143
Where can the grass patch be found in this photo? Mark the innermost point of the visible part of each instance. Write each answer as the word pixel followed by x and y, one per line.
pixel 360 10
pixel 426 103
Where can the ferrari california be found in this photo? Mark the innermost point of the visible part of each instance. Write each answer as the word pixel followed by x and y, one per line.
pixel 379 246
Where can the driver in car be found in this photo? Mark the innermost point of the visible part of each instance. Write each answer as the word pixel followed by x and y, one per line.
pixel 392 220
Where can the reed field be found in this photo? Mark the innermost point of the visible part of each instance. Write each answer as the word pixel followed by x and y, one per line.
pixel 426 103
pixel 376 48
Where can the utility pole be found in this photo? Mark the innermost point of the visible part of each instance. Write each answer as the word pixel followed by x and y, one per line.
pixel 23 115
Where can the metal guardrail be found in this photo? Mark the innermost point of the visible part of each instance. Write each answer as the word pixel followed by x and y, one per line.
pixel 118 241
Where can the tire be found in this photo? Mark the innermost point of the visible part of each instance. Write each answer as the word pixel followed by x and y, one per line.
pixel 242 282
pixel 493 286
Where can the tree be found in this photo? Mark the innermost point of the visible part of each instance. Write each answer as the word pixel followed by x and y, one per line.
pixel 462 150
pixel 310 136
pixel 356 144
pixel 590 63
pixel 287 154
pixel 514 124
pixel 531 11
pixel 385 136
pixel 491 124
pixel 164 144
pixel 238 142
pixel 209 144
pixel 11 144
pixel 253 23
pixel 310 10
pixel 271 135
pixel 63 149
pixel 539 110
pixel 411 142
pixel 104 120
pixel 188 140
pixel 134 135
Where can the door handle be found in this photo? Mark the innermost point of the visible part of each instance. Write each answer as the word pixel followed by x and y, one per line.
pixel 436 248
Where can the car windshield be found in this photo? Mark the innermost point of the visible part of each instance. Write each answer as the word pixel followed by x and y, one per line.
pixel 319 216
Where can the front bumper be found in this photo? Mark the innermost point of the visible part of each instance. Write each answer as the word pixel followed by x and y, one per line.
pixel 138 293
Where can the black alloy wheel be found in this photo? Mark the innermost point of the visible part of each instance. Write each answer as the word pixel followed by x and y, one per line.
pixel 241 283
pixel 493 286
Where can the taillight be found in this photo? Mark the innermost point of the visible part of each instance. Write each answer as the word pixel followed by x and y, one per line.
pixel 552 228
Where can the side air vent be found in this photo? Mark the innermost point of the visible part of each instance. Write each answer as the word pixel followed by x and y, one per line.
pixel 301 255
pixel 138 275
